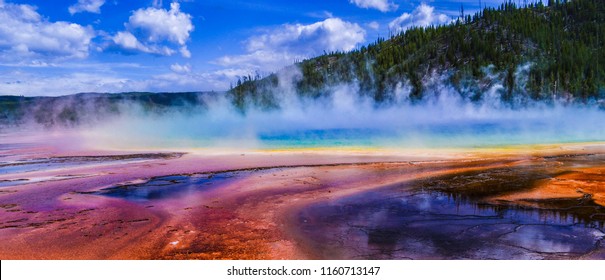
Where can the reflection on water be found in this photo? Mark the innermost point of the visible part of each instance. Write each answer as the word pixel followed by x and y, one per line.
pixel 171 186
pixel 435 225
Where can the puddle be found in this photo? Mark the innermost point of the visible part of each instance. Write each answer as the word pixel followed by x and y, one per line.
pixel 52 163
pixel 450 217
pixel 435 225
pixel 173 186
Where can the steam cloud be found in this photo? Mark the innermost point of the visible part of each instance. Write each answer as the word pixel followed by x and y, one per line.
pixel 345 117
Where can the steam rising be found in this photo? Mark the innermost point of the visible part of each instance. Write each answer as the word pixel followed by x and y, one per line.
pixel 347 118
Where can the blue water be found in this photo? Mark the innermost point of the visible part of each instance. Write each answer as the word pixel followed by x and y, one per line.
pixel 433 225
pixel 174 186
pixel 428 136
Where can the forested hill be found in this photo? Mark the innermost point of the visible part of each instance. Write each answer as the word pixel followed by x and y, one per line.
pixel 539 52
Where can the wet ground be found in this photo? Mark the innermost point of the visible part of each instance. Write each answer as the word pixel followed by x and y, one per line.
pixel 436 225
pixel 51 163
pixel 170 187
pixel 463 216
pixel 64 162
pixel 170 206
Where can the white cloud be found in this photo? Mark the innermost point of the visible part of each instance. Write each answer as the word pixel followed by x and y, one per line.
pixel 374 25
pixel 28 84
pixel 129 42
pixel 95 78
pixel 185 51
pixel 423 15
pixel 195 81
pixel 381 5
pixel 282 46
pixel 265 60
pixel 172 25
pixel 178 68
pixel 157 31
pixel 26 36
pixel 92 6
pixel 329 35
pixel 320 14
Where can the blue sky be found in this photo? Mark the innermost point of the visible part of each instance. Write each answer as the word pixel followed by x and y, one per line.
pixel 63 47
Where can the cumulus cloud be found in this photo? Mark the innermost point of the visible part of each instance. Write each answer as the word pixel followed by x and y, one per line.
pixel 423 15
pixel 26 35
pixel 381 5
pixel 330 35
pixel 178 68
pixel 281 46
pixel 158 31
pixel 91 6
pixel 129 42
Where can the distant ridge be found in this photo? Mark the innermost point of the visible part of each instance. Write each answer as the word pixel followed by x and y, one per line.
pixel 70 110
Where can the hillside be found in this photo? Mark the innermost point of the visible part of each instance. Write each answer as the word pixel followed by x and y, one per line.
pixel 72 110
pixel 536 53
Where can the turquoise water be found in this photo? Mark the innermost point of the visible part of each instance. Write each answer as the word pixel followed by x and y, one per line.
pixel 450 126
pixel 429 136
